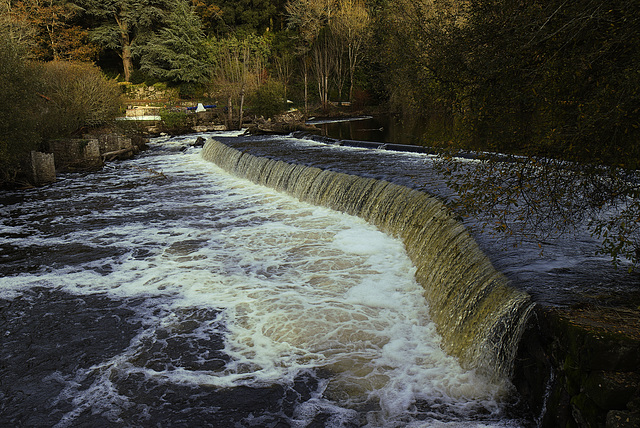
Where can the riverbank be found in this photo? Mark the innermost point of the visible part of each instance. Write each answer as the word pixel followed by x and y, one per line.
pixel 578 366
pixel 86 153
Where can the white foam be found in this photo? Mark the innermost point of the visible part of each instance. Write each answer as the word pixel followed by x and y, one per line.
pixel 301 287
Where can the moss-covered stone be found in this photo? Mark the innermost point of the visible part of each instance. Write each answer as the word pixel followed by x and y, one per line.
pixel 586 413
pixel 581 367
pixel 611 390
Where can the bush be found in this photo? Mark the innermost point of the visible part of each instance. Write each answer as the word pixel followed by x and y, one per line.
pixel 268 100
pixel 79 97
pixel 19 111
pixel 189 90
pixel 44 101
pixel 174 120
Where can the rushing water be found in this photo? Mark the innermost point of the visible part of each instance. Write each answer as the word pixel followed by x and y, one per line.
pixel 477 313
pixel 561 274
pixel 162 291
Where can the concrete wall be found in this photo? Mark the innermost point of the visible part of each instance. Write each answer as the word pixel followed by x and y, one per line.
pixel 114 142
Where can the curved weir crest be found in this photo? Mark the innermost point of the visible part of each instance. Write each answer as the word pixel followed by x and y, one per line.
pixel 478 314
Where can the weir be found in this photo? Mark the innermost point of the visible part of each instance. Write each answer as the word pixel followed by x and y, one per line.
pixel 478 314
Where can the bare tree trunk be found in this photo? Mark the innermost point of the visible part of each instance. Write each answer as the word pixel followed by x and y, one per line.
pixel 352 71
pixel 241 108
pixel 306 88
pixel 229 113
pixel 127 62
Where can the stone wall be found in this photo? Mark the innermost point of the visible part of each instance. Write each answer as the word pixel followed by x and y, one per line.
pixel 580 367
pixel 150 93
pixel 76 154
pixel 114 142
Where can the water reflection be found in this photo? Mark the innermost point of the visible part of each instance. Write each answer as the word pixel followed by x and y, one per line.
pixel 388 128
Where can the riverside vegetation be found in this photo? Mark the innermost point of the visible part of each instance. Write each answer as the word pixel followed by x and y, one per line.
pixel 546 93
pixel 552 87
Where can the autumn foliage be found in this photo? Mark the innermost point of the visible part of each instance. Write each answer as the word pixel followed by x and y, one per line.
pixel 42 101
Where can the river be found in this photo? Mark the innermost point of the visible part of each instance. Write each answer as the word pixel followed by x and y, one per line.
pixel 162 291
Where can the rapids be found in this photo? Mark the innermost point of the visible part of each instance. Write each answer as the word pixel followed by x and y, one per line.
pixel 165 291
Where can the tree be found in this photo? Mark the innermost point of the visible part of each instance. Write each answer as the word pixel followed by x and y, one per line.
pixel 177 52
pixel 333 32
pixel 239 67
pixel 352 28
pixel 309 18
pixel 54 35
pixel 244 17
pixel 19 110
pixel 210 14
pixel 122 25
pixel 549 91
pixel 409 36
pixel 284 59
pixel 16 26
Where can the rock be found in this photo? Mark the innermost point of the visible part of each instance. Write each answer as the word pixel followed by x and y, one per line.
pixel 622 419
pixel 209 127
pixel 580 366
pixel 611 390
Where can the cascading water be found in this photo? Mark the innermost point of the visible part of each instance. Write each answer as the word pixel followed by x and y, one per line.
pixel 194 298
pixel 478 314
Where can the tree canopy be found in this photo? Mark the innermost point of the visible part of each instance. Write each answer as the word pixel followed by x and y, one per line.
pixel 549 92
pixel 551 87
pixel 177 52
pixel 123 25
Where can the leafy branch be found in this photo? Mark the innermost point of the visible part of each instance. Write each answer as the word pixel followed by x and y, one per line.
pixel 539 199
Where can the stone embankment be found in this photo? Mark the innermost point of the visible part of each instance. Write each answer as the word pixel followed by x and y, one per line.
pixel 81 154
pixel 580 367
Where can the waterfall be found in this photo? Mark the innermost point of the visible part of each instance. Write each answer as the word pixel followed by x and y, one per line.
pixel 478 314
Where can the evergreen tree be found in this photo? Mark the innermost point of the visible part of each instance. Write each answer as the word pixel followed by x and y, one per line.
pixel 177 52
pixel 122 25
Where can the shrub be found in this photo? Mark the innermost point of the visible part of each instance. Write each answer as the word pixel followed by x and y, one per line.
pixel 268 100
pixel 174 120
pixel 19 111
pixel 79 97
pixel 43 101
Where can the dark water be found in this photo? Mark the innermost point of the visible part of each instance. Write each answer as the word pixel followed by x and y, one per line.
pixel 133 299
pixel 387 129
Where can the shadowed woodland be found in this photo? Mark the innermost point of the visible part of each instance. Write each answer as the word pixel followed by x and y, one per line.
pixel 546 92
